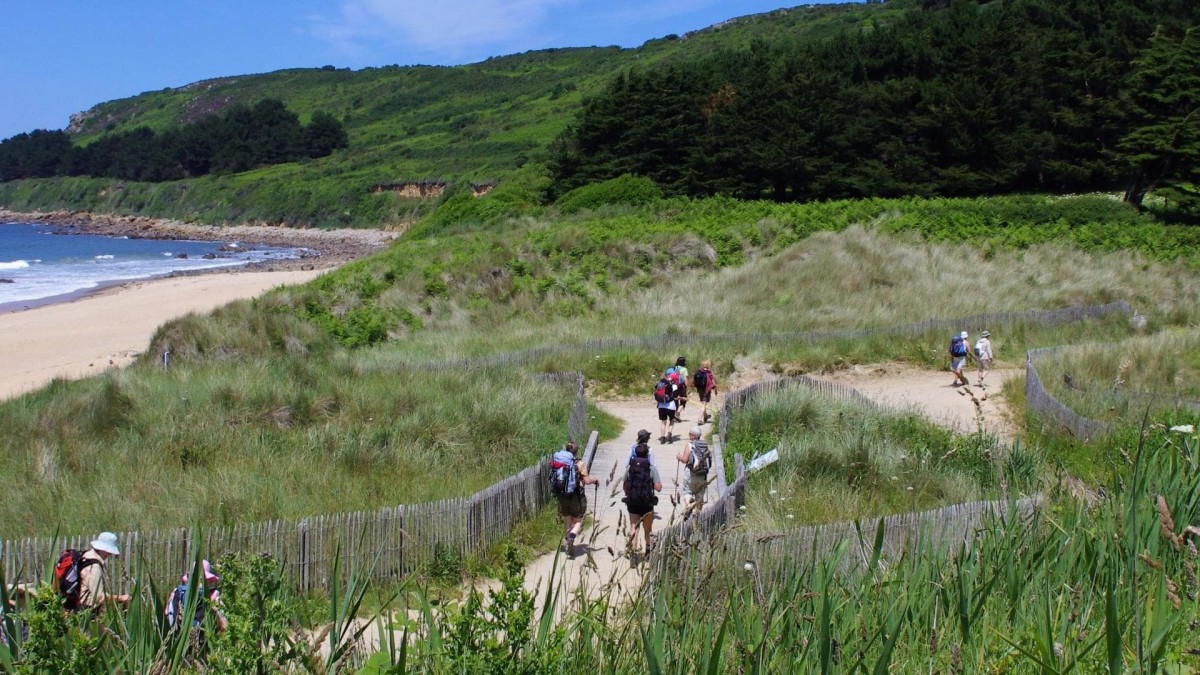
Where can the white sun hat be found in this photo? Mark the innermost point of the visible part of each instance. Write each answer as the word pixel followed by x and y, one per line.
pixel 107 542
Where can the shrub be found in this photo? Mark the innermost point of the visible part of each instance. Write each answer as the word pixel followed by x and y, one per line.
pixel 627 189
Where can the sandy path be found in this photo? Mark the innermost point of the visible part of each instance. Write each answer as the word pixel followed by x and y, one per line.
pixel 929 393
pixel 107 330
pixel 602 560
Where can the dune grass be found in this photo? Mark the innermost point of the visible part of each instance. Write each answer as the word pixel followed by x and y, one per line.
pixel 263 439
pixel 1122 380
pixel 857 278
pixel 840 461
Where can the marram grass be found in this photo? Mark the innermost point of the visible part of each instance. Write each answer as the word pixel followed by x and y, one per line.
pixel 257 440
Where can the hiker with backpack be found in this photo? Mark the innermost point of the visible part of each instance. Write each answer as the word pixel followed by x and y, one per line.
pixel 959 352
pixel 80 575
pixel 640 483
pixel 696 457
pixel 643 436
pixel 706 385
pixel 664 400
pixel 983 355
pixel 678 375
pixel 568 476
pixel 207 600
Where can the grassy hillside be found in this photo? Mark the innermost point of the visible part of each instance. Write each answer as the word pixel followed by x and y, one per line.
pixel 477 122
pixel 681 265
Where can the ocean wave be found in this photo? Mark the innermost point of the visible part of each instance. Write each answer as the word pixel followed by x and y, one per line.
pixel 105 257
pixel 14 265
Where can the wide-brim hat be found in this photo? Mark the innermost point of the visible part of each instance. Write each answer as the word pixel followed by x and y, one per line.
pixel 963 335
pixel 985 334
pixel 107 542
pixel 209 575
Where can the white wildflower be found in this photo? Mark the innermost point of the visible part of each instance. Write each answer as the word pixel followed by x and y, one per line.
pixel 1184 428
pixel 774 492
pixel 790 516
pixel 749 567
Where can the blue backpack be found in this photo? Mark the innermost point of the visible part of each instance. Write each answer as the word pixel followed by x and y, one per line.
pixel 177 602
pixel 958 346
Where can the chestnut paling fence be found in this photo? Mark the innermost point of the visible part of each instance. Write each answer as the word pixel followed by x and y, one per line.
pixel 975 322
pixel 1060 416
pixel 706 545
pixel 394 541
pixel 391 541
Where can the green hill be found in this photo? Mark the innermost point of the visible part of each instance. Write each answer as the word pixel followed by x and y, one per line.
pixel 479 122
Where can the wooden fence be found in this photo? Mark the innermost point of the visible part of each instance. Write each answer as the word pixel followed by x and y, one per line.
pixel 1041 402
pixel 673 341
pixel 708 546
pixel 391 542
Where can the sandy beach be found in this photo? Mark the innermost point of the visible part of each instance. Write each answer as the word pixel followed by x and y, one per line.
pixel 108 329
pixel 93 331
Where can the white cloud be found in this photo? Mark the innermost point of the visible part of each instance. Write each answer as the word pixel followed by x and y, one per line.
pixel 446 29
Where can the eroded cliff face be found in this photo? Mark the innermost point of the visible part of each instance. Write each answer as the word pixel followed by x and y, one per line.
pixel 413 189
pixel 425 189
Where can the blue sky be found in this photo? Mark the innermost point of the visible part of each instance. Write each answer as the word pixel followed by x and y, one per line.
pixel 58 57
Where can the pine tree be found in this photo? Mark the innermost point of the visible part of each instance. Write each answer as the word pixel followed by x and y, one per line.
pixel 1163 148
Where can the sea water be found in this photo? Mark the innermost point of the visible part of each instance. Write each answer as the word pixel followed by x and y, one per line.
pixel 40 262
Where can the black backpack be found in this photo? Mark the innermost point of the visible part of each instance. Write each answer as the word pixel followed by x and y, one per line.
pixel 639 484
pixel 699 460
pixel 700 380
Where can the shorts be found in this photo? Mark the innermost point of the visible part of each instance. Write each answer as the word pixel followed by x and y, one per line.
pixel 957 363
pixel 572 506
pixel 665 414
pixel 695 487
pixel 706 397
pixel 985 364
pixel 639 509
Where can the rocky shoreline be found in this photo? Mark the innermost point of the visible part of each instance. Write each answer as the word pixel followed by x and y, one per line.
pixel 323 248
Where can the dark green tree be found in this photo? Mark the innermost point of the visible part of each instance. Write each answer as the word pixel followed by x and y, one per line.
pixel 1162 149
pixel 323 135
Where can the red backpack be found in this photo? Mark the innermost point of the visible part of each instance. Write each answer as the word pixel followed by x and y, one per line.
pixel 662 391
pixel 68 576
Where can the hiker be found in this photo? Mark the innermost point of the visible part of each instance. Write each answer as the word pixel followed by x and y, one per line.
pixel 706 385
pixel 91 567
pixel 643 436
pixel 664 399
pixel 208 599
pixel 696 456
pixel 678 374
pixel 983 355
pixel 568 476
pixel 18 597
pixel 640 483
pixel 958 359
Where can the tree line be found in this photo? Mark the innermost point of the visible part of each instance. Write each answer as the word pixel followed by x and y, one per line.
pixel 240 138
pixel 952 98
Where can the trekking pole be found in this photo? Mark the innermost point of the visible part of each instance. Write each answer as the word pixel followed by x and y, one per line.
pixel 595 501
